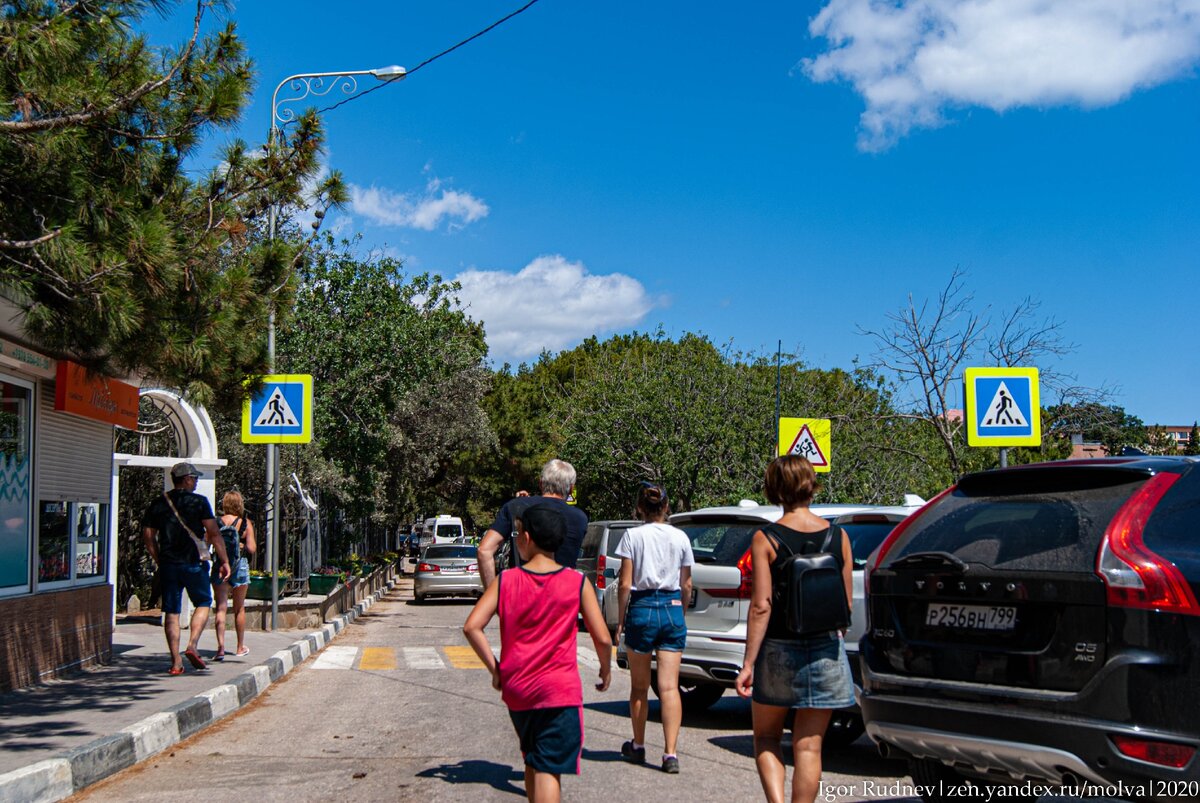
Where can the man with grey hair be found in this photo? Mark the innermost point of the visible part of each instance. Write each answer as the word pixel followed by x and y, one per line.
pixel 556 482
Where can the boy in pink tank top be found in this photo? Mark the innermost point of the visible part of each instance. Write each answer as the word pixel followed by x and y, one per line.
pixel 538 673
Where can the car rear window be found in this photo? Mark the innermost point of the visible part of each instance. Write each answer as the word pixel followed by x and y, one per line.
pixel 865 538
pixel 720 542
pixel 450 551
pixel 1035 531
pixel 614 539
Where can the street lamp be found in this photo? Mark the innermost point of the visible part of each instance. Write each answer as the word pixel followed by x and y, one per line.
pixel 301 87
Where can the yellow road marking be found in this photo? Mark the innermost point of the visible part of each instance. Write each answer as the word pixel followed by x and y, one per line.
pixel 464 658
pixel 377 658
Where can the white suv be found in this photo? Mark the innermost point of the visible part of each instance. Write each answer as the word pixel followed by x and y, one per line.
pixel 721 582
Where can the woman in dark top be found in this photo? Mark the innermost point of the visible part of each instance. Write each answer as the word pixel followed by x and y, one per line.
pixel 782 672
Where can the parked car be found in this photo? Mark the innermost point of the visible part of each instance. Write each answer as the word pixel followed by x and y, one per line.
pixel 599 562
pixel 1040 623
pixel 866 531
pixel 717 613
pixel 447 570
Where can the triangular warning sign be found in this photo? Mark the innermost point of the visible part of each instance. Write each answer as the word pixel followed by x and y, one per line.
pixel 276 412
pixel 1003 411
pixel 806 445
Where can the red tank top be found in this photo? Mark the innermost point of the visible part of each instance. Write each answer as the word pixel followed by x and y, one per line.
pixel 538 664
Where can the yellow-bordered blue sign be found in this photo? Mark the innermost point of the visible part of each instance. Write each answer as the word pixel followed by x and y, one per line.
pixel 281 412
pixel 1002 407
pixel 807 437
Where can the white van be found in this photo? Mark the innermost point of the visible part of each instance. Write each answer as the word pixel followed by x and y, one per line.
pixel 442 529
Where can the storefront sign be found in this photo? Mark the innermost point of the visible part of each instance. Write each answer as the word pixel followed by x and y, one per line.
pixel 23 359
pixel 98 397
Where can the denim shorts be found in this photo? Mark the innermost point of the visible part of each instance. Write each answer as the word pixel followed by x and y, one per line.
pixel 654 621
pixel 808 672
pixel 551 738
pixel 239 575
pixel 179 577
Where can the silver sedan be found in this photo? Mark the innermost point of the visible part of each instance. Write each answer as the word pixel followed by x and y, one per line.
pixel 447 570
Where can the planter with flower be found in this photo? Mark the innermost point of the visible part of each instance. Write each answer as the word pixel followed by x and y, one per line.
pixel 325 579
pixel 260 584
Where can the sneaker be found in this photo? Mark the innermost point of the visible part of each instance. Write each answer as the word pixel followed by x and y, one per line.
pixel 671 765
pixel 635 754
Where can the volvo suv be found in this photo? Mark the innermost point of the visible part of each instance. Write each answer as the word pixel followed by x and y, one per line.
pixel 1040 625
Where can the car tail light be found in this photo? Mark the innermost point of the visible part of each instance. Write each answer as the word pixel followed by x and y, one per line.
pixel 428 567
pixel 600 567
pixel 1135 576
pixel 474 567
pixel 1167 754
pixel 898 531
pixel 744 589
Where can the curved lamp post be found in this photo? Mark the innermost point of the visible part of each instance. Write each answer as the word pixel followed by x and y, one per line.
pixel 300 87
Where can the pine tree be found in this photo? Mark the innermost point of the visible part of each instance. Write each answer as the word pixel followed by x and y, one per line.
pixel 1193 444
pixel 117 258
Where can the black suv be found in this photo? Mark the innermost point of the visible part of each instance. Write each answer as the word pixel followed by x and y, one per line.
pixel 1039 625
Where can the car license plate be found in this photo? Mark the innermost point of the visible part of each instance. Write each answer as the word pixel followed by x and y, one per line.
pixel 974 617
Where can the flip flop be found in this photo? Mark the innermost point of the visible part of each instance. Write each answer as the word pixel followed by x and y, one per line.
pixel 243 651
pixel 219 655
pixel 175 670
pixel 194 659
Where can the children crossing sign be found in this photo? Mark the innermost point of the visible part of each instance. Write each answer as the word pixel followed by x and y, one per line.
pixel 807 437
pixel 281 412
pixel 1002 407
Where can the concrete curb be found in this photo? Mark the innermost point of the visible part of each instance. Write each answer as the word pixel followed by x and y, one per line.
pixel 59 778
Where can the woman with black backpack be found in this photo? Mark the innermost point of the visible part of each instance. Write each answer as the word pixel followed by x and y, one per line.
pixel 238 533
pixel 795 659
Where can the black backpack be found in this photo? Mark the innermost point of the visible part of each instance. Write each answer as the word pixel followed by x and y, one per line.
pixel 808 586
pixel 232 536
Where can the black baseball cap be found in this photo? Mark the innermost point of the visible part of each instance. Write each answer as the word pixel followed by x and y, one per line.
pixel 546 525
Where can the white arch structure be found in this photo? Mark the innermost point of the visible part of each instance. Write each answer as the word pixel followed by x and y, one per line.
pixel 196 442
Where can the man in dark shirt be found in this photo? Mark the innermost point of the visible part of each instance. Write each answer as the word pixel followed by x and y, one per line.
pixel 557 482
pixel 178 528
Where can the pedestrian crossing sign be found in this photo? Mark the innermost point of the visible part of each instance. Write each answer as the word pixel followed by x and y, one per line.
pixel 807 437
pixel 281 412
pixel 1002 407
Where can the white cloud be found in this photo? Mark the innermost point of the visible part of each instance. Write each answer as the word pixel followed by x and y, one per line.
pixel 551 304
pixel 342 226
pixel 913 59
pixel 424 211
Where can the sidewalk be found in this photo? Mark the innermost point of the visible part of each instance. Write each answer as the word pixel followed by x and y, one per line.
pixel 63 735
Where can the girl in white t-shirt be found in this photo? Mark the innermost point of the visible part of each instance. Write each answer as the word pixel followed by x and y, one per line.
pixel 655 579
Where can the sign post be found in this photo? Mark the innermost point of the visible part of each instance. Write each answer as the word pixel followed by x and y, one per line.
pixel 281 412
pixel 807 437
pixel 1003 408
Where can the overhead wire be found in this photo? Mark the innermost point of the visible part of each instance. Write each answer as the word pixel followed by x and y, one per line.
pixel 432 59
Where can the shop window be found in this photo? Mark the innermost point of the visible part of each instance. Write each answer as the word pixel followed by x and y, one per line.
pixel 16 478
pixel 71 542
pixel 54 543
pixel 90 538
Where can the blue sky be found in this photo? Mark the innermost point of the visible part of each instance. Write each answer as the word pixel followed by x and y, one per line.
pixel 776 171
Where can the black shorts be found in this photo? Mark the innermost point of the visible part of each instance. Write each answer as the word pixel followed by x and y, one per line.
pixel 551 738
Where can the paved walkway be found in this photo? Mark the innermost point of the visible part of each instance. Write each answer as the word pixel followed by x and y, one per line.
pixel 42 721
pixel 63 735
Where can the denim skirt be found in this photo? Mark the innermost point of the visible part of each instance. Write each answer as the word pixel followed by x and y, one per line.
pixel 810 672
